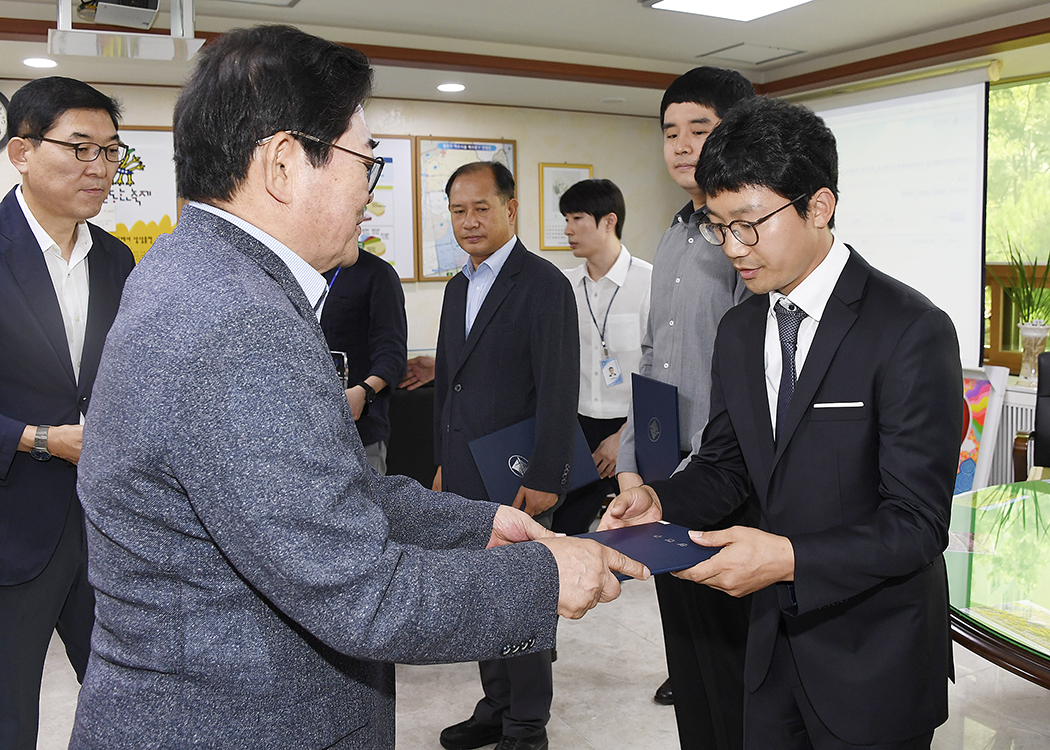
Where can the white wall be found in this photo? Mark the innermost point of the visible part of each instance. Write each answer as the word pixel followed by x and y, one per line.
pixel 624 149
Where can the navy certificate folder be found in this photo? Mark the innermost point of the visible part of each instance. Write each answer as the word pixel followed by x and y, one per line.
pixel 660 546
pixel 655 427
pixel 502 458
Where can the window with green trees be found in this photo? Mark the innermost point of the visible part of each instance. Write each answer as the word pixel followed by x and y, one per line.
pixel 1018 201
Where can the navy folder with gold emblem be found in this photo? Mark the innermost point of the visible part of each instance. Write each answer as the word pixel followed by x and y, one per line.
pixel 502 458
pixel 655 427
pixel 660 546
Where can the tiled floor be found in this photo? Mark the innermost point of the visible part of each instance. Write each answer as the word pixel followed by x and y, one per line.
pixel 608 665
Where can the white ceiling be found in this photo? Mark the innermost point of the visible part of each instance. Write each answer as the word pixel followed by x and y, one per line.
pixel 607 33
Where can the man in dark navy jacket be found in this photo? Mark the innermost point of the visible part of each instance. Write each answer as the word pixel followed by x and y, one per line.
pixel 508 349
pixel 60 284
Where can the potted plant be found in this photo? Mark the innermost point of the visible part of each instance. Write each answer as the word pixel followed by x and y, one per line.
pixel 1031 299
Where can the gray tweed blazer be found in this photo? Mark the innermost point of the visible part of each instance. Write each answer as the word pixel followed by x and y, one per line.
pixel 255 578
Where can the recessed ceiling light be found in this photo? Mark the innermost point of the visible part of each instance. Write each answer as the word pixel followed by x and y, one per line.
pixel 39 62
pixel 451 88
pixel 612 100
pixel 734 10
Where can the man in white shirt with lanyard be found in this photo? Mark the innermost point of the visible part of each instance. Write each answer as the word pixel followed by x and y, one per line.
pixel 612 301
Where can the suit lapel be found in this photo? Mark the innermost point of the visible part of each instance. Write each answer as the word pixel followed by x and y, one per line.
pixel 838 318
pixel 505 281
pixel 29 270
pixel 103 300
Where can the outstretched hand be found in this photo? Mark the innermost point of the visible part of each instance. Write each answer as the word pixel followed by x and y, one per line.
pixel 586 573
pixel 750 559
pixel 636 506
pixel 512 525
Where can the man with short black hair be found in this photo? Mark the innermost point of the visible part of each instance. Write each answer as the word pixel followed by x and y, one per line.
pixel 60 283
pixel 693 285
pixel 254 577
pixel 612 305
pixel 508 350
pixel 836 397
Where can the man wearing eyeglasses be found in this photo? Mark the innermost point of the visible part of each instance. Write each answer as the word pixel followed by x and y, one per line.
pixel 836 396
pixel 60 283
pixel 255 578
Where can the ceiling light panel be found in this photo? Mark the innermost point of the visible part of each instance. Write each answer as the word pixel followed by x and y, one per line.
pixel 734 10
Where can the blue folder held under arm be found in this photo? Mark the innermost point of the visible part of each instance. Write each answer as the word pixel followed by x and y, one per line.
pixel 656 438
pixel 502 458
pixel 660 546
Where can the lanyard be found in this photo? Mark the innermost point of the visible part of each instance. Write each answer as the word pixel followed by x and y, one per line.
pixel 324 296
pixel 587 296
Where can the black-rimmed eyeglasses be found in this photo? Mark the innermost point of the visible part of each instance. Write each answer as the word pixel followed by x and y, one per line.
pixel 746 232
pixel 115 152
pixel 374 164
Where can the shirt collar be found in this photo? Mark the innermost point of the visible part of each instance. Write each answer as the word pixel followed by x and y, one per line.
pixel 618 273
pixel 313 283
pixel 81 245
pixel 494 262
pixel 813 293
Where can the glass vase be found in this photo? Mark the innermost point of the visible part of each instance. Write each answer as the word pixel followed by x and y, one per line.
pixel 1033 343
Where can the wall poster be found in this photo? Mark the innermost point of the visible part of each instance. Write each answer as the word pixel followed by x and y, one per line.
pixel 439 256
pixel 389 227
pixel 141 204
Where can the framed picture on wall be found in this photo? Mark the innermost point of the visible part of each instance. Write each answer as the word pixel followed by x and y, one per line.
pixel 555 179
pixel 389 229
pixel 438 255
pixel 141 204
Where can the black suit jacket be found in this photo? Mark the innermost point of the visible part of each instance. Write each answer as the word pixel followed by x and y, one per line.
pixel 522 359
pixel 37 385
pixel 861 482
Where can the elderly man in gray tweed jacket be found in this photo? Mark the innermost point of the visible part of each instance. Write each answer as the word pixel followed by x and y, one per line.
pixel 254 576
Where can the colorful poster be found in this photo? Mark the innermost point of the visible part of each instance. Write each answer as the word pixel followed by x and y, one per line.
pixel 389 227
pixel 141 204
pixel 976 394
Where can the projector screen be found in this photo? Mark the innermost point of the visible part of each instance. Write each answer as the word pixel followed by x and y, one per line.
pixel 912 193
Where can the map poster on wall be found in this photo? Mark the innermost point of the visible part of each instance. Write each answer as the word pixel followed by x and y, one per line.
pixel 555 179
pixel 439 254
pixel 389 227
pixel 141 204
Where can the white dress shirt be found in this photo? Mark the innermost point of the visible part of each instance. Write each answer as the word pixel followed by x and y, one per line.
pixel 629 279
pixel 313 284
pixel 812 295
pixel 69 279
pixel 482 278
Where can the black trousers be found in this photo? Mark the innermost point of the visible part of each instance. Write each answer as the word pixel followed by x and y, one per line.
pixel 581 506
pixel 780 715
pixel 59 598
pixel 705 636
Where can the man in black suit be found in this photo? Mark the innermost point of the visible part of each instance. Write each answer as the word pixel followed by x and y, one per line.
pixel 60 284
pixel 508 349
pixel 836 394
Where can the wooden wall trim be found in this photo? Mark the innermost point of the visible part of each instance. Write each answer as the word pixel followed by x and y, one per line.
pixel 967 47
pixel 975 45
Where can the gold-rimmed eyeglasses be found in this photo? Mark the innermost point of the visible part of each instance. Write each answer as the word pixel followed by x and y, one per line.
pixel 374 164
pixel 88 151
pixel 746 232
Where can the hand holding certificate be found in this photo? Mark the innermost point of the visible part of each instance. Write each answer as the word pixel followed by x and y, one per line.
pixel 662 547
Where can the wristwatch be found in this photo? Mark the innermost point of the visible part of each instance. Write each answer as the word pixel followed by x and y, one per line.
pixel 370 392
pixel 39 451
pixel 370 396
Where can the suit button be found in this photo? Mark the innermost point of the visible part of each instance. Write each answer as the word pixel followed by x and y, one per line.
pixel 457 388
